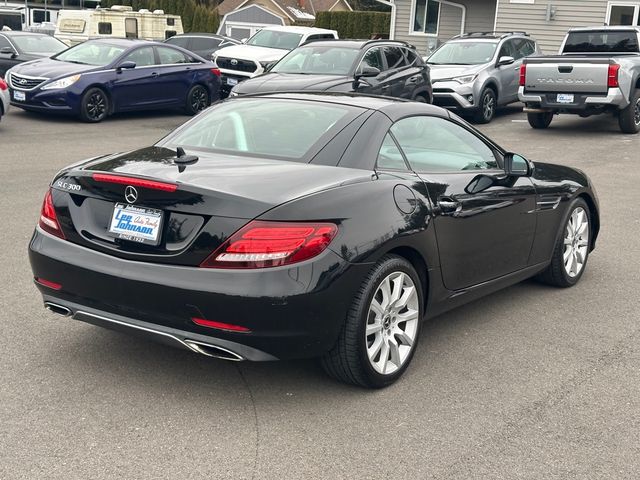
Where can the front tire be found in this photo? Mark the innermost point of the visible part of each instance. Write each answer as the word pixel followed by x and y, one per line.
pixel 571 252
pixel 540 120
pixel 487 107
pixel 629 119
pixel 382 328
pixel 197 100
pixel 94 106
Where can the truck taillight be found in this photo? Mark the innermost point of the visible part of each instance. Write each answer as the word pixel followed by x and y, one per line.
pixel 523 74
pixel 612 81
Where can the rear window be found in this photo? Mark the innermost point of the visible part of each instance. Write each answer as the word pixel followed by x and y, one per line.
pixel 601 42
pixel 273 128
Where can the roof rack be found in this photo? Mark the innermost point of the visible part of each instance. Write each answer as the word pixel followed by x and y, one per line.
pixel 494 34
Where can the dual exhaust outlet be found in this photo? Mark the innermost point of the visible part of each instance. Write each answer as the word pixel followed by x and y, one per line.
pixel 202 348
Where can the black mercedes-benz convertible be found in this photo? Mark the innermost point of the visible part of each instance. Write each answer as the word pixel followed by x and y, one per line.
pixel 306 225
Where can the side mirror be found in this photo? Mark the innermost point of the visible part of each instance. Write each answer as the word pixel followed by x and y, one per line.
pixel 366 72
pixel 126 65
pixel 517 166
pixel 480 183
pixel 506 60
pixel 8 51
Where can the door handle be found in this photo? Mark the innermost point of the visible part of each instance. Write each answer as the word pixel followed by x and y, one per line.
pixel 154 74
pixel 449 205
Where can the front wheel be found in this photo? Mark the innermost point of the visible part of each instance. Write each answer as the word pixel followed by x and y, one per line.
pixel 540 120
pixel 572 248
pixel 487 106
pixel 94 106
pixel 382 327
pixel 197 100
pixel 629 119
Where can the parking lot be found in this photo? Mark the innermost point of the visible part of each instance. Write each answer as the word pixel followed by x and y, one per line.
pixel 531 382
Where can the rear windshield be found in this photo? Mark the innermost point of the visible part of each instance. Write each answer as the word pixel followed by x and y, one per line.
pixel 273 128
pixel 601 42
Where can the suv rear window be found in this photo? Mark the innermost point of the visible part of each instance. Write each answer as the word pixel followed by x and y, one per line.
pixel 601 42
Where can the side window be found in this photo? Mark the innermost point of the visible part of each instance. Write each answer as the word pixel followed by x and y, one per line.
pixel 143 57
pixel 390 156
pixel 394 56
pixel 507 50
pixel 4 42
pixel 372 58
pixel 104 28
pixel 433 144
pixel 412 57
pixel 201 43
pixel 169 56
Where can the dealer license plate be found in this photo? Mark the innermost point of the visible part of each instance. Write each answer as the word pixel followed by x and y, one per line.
pixel 232 81
pixel 565 98
pixel 137 224
pixel 19 96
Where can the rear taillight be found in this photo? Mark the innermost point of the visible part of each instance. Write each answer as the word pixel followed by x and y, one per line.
pixel 523 74
pixel 135 182
pixel 48 219
pixel 216 72
pixel 3 84
pixel 612 81
pixel 262 244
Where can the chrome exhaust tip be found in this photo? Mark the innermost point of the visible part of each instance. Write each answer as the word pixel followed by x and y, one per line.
pixel 213 351
pixel 59 309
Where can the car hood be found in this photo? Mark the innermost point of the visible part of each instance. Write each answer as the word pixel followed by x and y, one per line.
pixel 440 72
pixel 49 68
pixel 249 52
pixel 280 82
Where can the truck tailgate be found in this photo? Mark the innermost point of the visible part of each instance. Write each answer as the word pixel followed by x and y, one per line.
pixel 567 75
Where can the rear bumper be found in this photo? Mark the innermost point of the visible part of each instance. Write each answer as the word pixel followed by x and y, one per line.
pixel 548 101
pixel 292 312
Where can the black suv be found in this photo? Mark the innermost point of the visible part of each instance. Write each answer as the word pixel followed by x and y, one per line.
pixel 378 67
pixel 203 44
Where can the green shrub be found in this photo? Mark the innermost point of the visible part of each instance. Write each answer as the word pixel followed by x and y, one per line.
pixel 355 24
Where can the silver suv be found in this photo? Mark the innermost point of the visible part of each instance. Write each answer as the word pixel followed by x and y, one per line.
pixel 475 73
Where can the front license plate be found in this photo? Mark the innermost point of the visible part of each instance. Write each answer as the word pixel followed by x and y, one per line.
pixel 136 224
pixel 565 98
pixel 19 96
pixel 232 81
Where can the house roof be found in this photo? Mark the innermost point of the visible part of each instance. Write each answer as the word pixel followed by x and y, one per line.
pixel 291 8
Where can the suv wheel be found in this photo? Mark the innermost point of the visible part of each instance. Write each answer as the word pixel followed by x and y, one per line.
pixel 487 106
pixel 629 119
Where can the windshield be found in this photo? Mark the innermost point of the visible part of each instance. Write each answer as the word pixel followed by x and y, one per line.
pixel 601 42
pixel 91 53
pixel 319 60
pixel 38 44
pixel 271 127
pixel 463 53
pixel 275 39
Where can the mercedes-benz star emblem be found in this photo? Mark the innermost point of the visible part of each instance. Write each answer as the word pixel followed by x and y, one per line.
pixel 234 62
pixel 130 194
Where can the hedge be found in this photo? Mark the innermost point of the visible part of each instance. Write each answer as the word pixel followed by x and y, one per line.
pixel 361 25
pixel 196 16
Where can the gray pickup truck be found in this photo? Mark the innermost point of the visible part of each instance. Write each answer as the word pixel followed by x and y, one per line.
pixel 597 71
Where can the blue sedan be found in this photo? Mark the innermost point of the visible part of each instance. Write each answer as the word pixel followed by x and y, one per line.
pixel 99 77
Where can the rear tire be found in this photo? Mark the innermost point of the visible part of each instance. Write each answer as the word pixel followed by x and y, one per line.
pixel 540 120
pixel 197 100
pixel 487 107
pixel 571 252
pixel 382 328
pixel 629 118
pixel 94 106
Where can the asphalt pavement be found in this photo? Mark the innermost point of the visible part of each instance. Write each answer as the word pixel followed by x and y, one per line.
pixel 530 383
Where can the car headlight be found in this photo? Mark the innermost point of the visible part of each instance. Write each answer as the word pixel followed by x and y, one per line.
pixel 465 79
pixel 62 83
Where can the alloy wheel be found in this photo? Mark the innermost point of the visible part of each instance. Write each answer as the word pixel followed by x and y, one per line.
pixel 96 106
pixel 488 105
pixel 392 323
pixel 636 113
pixel 576 242
pixel 199 99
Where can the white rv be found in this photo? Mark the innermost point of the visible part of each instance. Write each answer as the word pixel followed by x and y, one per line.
pixel 26 16
pixel 75 26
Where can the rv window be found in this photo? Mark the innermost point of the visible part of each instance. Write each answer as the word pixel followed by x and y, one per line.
pixel 131 27
pixel 169 33
pixel 104 28
pixel 13 21
pixel 171 22
pixel 40 16
pixel 169 56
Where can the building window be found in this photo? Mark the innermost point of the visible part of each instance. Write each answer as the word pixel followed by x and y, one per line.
pixel 425 16
pixel 104 28
pixel 623 14
pixel 171 22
